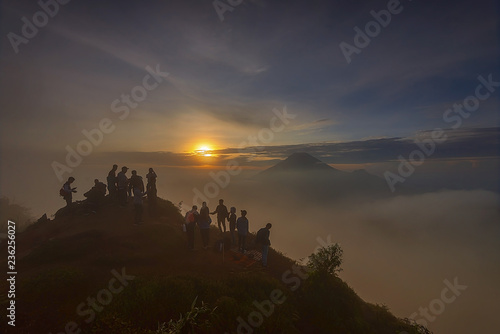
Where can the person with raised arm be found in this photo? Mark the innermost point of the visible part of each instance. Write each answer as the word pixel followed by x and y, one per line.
pixel 222 214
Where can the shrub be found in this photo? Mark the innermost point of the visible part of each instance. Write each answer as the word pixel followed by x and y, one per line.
pixel 327 260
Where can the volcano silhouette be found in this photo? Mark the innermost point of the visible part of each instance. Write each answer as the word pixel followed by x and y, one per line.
pixel 301 172
pixel 300 162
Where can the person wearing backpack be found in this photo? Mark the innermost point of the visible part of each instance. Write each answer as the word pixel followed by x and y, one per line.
pixel 204 222
pixel 242 226
pixel 222 214
pixel 262 239
pixel 232 224
pixel 67 192
pixel 191 219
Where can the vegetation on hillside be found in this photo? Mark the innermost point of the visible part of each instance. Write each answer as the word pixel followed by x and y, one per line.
pixel 70 259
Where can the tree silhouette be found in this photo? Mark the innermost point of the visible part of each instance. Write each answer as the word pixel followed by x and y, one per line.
pixel 327 260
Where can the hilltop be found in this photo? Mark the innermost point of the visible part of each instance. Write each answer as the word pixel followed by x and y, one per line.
pixel 99 273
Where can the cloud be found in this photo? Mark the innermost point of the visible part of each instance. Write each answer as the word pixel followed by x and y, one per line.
pixel 463 143
pixel 313 126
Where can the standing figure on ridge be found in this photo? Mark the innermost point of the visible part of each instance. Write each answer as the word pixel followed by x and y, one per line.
pixel 151 177
pixel 67 191
pixel 262 239
pixel 111 180
pixel 136 181
pixel 192 217
pixel 232 224
pixel 242 226
pixel 204 222
pixel 122 182
pixel 151 191
pixel 222 214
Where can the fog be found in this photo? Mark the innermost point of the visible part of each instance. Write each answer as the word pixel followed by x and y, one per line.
pixel 398 251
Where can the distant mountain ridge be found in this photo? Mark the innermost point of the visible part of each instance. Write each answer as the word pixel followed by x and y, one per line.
pixel 301 161
pixel 305 173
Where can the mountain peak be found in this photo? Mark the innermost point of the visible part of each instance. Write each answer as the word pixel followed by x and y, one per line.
pixel 302 161
pixel 302 157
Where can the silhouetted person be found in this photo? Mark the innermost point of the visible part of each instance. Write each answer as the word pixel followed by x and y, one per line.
pixel 151 191
pixel 111 180
pixel 95 196
pixel 151 177
pixel 192 218
pixel 222 214
pixel 136 181
pixel 232 224
pixel 122 183
pixel 68 191
pixel 242 226
pixel 100 186
pixel 138 195
pixel 263 240
pixel 204 224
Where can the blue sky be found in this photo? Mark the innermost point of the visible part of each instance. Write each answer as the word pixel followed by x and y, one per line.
pixel 226 77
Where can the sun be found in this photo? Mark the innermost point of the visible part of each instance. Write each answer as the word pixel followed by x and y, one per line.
pixel 204 150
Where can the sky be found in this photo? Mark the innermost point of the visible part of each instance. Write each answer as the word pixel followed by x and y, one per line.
pixel 188 88
pixel 195 85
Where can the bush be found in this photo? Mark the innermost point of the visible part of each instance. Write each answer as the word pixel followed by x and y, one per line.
pixel 327 260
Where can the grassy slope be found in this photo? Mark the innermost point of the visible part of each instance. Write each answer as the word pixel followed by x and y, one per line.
pixel 63 262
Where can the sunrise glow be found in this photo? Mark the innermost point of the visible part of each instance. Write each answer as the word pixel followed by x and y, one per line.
pixel 204 150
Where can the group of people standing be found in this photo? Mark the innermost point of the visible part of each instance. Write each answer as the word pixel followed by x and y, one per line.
pixel 120 188
pixel 239 224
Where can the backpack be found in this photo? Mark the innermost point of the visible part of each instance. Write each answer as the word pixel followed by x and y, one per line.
pixel 260 238
pixel 62 192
